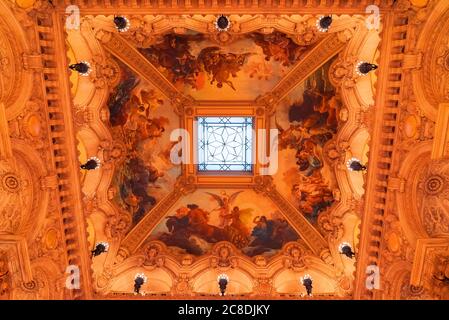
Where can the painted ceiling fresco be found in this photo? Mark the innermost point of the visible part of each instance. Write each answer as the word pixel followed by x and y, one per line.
pixel 307 119
pixel 241 70
pixel 249 221
pixel 142 120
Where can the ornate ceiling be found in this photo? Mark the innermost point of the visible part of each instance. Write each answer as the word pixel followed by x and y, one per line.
pixel 139 107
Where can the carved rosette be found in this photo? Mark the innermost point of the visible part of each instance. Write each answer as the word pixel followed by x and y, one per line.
pixel 10 182
pixel 433 191
pixel 434 184
pixel 410 292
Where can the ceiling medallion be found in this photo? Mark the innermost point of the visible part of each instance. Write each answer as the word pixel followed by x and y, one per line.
pixel 10 182
pixel 222 23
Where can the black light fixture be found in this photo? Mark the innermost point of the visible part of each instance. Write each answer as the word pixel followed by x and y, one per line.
pixel 222 23
pixel 121 23
pixel 323 23
pixel 355 164
pixel 345 248
pixel 82 67
pixel 92 163
pixel 139 280
pixel 363 68
pixel 100 247
pixel 223 281
pixel 307 281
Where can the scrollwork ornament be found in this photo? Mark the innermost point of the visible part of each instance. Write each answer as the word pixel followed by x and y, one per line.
pixel 341 72
pixel 141 32
pixel 264 286
pixel 182 284
pixel 330 226
pixel 117 226
pixel 106 72
pixel 263 184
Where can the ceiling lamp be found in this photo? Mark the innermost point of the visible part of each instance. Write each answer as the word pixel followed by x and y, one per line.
pixel 345 248
pixel 82 67
pixel 222 23
pixel 92 163
pixel 139 280
pixel 323 23
pixel 362 68
pixel 100 247
pixel 121 23
pixel 223 281
pixel 355 164
pixel 306 281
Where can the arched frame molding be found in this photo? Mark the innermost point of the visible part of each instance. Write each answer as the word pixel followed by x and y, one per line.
pixel 410 172
pixel 16 54
pixel 429 61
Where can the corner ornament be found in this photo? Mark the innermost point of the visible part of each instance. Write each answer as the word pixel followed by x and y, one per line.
pixel 103 36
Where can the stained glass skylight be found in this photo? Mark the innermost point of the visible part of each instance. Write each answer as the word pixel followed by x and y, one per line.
pixel 225 143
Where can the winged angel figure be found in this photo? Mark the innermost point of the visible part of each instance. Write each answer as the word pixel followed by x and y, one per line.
pixel 224 206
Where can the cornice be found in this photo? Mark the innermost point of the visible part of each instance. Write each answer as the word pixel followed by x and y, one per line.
pixel 218 7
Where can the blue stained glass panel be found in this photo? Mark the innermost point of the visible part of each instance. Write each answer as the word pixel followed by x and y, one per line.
pixel 225 143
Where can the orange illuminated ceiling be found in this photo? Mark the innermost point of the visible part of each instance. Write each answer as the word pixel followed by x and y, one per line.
pixel 159 76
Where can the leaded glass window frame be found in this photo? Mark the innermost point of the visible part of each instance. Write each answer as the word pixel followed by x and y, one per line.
pixel 225 144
